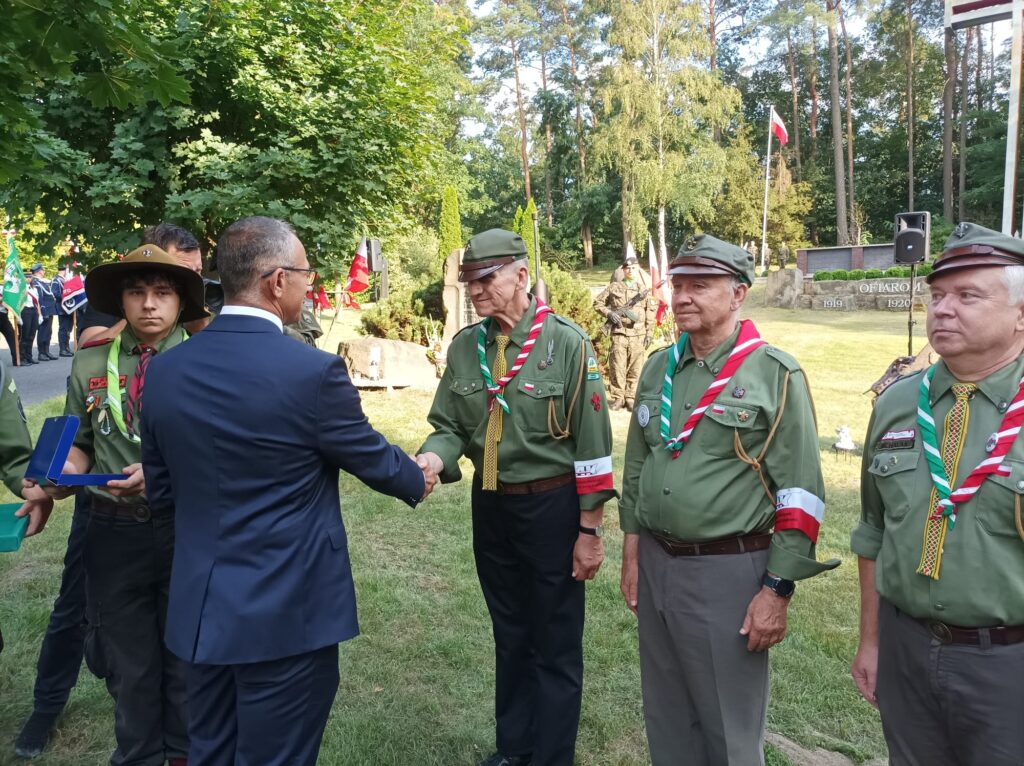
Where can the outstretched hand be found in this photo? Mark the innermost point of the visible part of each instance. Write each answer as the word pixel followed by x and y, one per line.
pixel 431 466
pixel 38 506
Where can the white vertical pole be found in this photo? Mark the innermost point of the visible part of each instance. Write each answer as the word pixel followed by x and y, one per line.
pixel 767 178
pixel 1013 121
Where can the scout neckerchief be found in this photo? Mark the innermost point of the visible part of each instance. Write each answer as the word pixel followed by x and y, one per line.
pixel 1004 439
pixel 496 389
pixel 747 340
pixel 115 392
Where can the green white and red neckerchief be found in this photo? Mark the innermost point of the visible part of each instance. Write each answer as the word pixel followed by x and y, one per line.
pixel 747 340
pixel 497 389
pixel 115 391
pixel 1004 439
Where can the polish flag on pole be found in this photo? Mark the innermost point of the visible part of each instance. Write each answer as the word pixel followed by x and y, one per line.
pixel 358 275
pixel 659 280
pixel 779 129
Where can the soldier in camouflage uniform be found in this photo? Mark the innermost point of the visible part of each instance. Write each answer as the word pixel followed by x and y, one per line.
pixel 523 399
pixel 632 313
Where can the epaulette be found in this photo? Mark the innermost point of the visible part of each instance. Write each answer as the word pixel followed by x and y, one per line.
pixel 569 323
pixel 97 342
pixel 473 326
pixel 783 358
pixel 909 376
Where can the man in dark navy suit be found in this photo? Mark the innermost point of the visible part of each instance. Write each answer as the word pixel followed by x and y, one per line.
pixel 244 434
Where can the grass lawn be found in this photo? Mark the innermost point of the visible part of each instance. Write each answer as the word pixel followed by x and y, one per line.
pixel 417 684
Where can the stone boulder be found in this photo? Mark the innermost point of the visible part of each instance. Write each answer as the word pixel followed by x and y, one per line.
pixel 388 363
pixel 785 288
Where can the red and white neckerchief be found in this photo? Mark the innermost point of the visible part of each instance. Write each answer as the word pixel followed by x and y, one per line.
pixel 496 389
pixel 747 340
pixel 1004 439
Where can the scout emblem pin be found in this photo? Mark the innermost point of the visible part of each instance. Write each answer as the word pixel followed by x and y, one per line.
pixel 738 393
pixel 743 416
pixel 90 402
pixel 643 415
pixel 104 422
pixel 543 364
pixel 992 441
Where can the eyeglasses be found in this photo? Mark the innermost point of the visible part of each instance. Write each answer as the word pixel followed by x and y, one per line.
pixel 310 273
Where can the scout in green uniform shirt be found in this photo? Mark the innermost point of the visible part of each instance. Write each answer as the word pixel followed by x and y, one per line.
pixel 523 399
pixel 15 451
pixel 941 543
pixel 720 450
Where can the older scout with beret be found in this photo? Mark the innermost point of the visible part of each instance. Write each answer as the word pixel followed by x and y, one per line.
pixel 940 540
pixel 522 398
pixel 128 548
pixel 722 446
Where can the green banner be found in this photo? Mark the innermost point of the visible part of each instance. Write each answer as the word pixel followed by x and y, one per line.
pixel 15 293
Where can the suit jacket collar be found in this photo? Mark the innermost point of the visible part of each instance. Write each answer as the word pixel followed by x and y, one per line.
pixel 241 323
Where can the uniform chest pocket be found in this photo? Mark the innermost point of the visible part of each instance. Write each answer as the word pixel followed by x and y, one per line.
pixel 467 387
pixel 647 414
pixel 891 472
pixel 718 427
pixel 535 399
pixel 997 509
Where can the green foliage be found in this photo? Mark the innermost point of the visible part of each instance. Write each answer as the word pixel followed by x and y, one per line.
pixel 571 298
pixel 822 276
pixel 450 226
pixel 941 230
pixel 526 230
pixel 855 274
pixel 402 317
pixel 871 274
pixel 924 269
pixel 897 271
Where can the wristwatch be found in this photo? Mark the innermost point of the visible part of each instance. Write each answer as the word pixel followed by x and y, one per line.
pixel 782 588
pixel 597 531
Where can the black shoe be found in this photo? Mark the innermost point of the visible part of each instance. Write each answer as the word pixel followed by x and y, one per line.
pixel 66 352
pixel 44 356
pixel 505 760
pixel 27 361
pixel 35 735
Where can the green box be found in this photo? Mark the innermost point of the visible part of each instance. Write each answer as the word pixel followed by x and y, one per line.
pixel 12 529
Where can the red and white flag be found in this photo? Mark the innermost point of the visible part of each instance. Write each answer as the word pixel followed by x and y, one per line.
pixel 358 275
pixel 779 128
pixel 659 279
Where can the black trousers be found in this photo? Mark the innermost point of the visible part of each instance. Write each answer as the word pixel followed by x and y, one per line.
pixel 64 324
pixel 523 547
pixel 29 325
pixel 45 334
pixel 7 330
pixel 262 713
pixel 128 572
pixel 60 656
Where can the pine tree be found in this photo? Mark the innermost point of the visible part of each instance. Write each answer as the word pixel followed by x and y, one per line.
pixel 450 225
pixel 525 229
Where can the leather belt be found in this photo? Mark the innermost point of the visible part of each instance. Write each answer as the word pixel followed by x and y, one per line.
pixel 730 545
pixel 953 634
pixel 103 508
pixel 536 487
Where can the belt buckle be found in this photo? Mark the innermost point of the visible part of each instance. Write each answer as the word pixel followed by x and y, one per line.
pixel 141 513
pixel 940 631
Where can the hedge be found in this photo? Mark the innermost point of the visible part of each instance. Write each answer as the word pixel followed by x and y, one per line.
pixel 902 272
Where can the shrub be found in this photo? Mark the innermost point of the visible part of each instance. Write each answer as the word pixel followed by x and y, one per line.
pixel 571 298
pixel 924 270
pixel 822 276
pixel 873 274
pixel 855 274
pixel 897 271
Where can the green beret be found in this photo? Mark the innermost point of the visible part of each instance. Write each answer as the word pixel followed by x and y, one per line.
pixel 971 246
pixel 489 251
pixel 703 254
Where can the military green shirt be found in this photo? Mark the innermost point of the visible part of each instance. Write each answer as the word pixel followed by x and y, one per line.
pixel 981 577
pixel 15 444
pixel 98 436
pixel 618 295
pixel 527 451
pixel 708 493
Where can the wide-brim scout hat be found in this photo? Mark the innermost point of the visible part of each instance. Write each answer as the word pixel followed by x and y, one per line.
pixel 103 283
pixel 489 251
pixel 971 246
pixel 704 255
pixel 629 260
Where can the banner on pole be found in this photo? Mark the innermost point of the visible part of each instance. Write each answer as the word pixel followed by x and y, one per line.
pixel 15 293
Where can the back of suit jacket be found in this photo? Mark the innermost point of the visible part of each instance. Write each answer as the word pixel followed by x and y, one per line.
pixel 243 433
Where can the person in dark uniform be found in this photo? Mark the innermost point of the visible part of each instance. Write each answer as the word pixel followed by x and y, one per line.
pixel 29 323
pixel 65 321
pixel 47 311
pixel 7 331
pixel 523 399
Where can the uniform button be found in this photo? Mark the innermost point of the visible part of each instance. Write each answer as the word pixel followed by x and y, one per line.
pixel 885 469
pixel 666 491
pixel 1003 406
pixel 1020 485
pixel 893 460
pixel 687 406
pixel 940 607
pixel 714 371
pixel 700 363
pixel 540 390
pixel 464 389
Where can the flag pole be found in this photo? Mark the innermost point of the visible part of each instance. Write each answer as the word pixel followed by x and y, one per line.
pixel 767 178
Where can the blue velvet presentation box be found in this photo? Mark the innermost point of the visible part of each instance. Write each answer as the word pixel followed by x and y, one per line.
pixel 12 529
pixel 52 447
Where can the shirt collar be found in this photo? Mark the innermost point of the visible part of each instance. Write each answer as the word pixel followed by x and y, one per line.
pixel 1000 387
pixel 717 357
pixel 129 342
pixel 521 331
pixel 252 311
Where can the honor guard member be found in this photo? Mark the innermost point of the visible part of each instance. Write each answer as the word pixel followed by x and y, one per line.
pixel 129 549
pixel 722 447
pixel 632 315
pixel 523 399
pixel 941 540
pixel 15 451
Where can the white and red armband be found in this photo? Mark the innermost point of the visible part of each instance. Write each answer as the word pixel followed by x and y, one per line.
pixel 594 475
pixel 796 508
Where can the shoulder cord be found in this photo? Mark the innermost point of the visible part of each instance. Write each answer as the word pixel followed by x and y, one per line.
pixel 755 462
pixel 1016 507
pixel 555 430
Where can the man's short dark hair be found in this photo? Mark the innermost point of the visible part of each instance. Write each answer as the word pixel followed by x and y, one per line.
pixel 148 279
pixel 166 235
pixel 250 247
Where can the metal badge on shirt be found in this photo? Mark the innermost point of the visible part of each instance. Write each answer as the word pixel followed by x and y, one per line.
pixel 903 439
pixel 643 415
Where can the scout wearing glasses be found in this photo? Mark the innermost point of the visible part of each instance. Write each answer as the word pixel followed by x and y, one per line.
pixel 128 549
pixel 941 541
pixel 722 446
pixel 523 399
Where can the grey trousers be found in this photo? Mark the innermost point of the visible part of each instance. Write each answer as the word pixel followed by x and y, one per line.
pixel 705 696
pixel 948 704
